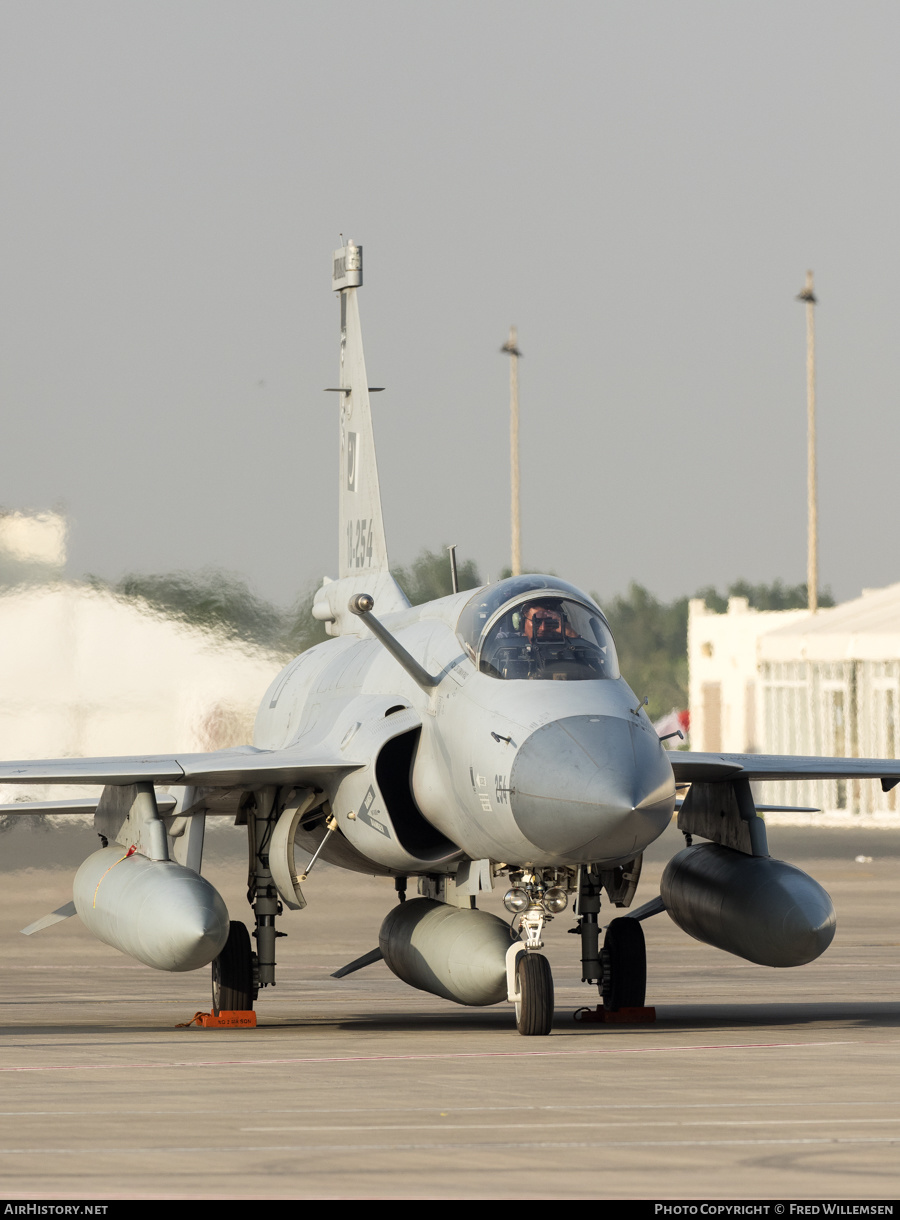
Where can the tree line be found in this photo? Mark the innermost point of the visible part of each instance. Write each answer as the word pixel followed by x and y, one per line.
pixel 650 634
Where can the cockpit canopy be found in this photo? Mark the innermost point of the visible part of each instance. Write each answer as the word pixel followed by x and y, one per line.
pixel 538 628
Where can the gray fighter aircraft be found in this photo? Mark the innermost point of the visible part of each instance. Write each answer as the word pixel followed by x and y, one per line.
pixel 485 738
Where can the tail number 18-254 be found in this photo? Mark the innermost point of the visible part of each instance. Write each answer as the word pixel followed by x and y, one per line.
pixel 359 543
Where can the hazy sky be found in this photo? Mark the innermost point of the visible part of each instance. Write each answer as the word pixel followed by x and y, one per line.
pixel 640 187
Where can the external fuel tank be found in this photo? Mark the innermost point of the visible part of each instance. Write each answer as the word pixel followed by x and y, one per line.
pixel 159 912
pixel 761 909
pixel 453 952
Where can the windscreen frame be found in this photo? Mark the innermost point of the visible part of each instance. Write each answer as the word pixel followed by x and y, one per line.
pixel 537 590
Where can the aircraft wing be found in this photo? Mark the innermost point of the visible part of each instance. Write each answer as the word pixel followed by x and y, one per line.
pixel 88 804
pixel 690 767
pixel 243 766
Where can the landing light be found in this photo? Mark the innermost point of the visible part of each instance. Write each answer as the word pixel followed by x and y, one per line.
pixel 516 900
pixel 556 900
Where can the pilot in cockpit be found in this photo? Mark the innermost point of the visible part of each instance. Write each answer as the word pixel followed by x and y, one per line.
pixel 540 639
pixel 543 622
pixel 532 627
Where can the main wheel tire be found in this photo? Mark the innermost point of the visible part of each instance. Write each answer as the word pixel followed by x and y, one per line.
pixel 534 994
pixel 624 961
pixel 232 973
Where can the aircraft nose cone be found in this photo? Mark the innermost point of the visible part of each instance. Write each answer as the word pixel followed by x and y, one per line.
pixel 592 787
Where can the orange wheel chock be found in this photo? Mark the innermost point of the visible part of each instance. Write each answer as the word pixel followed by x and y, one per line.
pixel 227 1019
pixel 617 1016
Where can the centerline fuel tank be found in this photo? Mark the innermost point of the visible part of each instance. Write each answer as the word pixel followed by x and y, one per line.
pixel 449 951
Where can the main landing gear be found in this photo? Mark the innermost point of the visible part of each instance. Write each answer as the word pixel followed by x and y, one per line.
pixel 623 961
pixel 234 988
pixel 620 968
pixel 239 972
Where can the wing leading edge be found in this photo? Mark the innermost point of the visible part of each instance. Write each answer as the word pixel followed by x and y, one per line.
pixel 690 767
pixel 244 766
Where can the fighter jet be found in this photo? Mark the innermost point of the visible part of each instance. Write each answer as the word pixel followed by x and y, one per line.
pixel 484 739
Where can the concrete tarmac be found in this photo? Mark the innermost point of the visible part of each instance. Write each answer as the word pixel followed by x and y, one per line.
pixel 752 1084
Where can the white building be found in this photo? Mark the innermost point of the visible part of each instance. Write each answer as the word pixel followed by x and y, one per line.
pixel 830 684
pixel 723 677
pixel 788 682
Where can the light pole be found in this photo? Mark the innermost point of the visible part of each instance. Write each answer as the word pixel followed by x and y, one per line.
pixel 511 346
pixel 812 561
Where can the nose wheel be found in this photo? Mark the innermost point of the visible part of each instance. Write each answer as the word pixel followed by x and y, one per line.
pixel 534 994
pixel 623 960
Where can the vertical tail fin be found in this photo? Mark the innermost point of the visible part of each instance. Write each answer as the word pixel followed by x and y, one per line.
pixel 363 549
pixel 363 559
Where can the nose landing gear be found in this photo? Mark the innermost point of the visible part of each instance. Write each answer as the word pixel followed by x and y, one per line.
pixel 533 994
pixel 535 898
